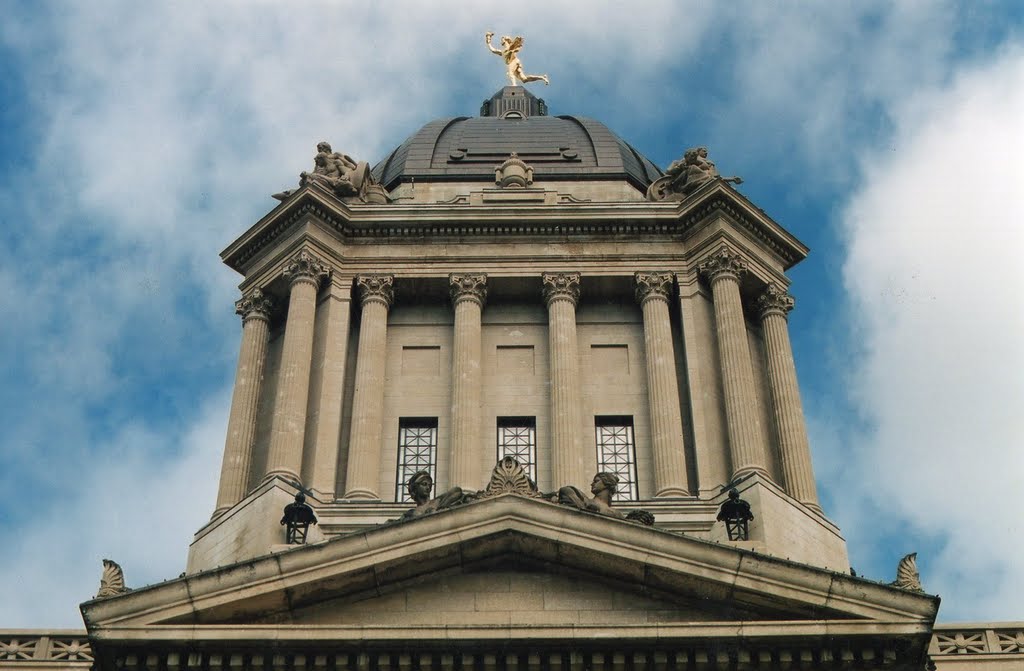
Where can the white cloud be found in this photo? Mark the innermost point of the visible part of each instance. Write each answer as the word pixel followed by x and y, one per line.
pixel 935 284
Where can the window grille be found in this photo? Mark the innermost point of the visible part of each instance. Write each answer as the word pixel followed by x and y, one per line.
pixel 616 453
pixel 417 451
pixel 517 438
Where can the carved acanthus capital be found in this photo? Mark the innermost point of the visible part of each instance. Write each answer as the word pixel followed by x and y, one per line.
pixel 723 264
pixel 653 285
pixel 305 267
pixel 254 305
pixel 468 287
pixel 561 286
pixel 774 300
pixel 376 288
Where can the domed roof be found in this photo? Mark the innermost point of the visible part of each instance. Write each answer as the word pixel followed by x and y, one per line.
pixel 558 148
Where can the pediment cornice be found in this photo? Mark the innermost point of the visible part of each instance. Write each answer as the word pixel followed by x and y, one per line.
pixel 515 528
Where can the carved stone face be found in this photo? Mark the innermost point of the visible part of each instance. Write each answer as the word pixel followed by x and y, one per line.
pixel 597 486
pixel 422 488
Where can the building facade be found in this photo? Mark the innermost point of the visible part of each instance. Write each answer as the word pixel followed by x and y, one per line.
pixel 508 305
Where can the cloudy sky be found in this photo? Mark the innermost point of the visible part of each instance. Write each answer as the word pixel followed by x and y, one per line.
pixel 139 139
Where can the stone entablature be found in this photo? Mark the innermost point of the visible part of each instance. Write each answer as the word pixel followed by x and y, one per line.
pixel 436 222
pixel 982 646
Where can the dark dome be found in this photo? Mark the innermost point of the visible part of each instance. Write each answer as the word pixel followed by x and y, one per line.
pixel 558 148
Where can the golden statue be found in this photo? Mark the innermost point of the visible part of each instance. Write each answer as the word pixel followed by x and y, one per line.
pixel 509 51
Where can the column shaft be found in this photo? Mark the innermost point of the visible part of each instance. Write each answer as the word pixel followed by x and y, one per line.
pixel 245 399
pixel 329 375
pixel 568 463
pixel 288 429
pixel 468 457
pixel 724 270
pixel 662 386
pixel 364 447
pixel 791 429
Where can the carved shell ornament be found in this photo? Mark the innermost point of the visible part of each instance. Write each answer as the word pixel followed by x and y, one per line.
pixel 509 477
pixel 112 580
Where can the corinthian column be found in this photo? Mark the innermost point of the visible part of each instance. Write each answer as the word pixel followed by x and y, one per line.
pixel 562 293
pixel 652 291
pixel 468 294
pixel 773 306
pixel 362 480
pixel 724 270
pixel 252 356
pixel 304 274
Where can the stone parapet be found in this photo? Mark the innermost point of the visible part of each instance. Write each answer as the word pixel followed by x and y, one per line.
pixel 45 650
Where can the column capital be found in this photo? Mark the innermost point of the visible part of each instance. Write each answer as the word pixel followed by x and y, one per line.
pixel 468 286
pixel 561 286
pixel 653 285
pixel 376 289
pixel 304 267
pixel 254 305
pixel 774 300
pixel 724 263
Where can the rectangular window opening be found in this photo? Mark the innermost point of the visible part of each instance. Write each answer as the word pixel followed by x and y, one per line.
pixel 616 453
pixel 417 451
pixel 517 438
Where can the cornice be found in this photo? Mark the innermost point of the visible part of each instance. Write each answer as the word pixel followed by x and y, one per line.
pixel 368 223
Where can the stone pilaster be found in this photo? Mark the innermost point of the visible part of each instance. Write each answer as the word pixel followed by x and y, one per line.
pixel 252 356
pixel 376 294
pixel 568 463
pixel 724 269
pixel 652 292
pixel 304 274
pixel 329 386
pixel 467 459
pixel 773 307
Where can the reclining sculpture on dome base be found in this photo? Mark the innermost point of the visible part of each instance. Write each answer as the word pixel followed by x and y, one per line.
pixel 509 477
pixel 341 175
pixel 686 175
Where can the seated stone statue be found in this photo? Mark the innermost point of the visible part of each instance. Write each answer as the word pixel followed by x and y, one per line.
pixel 603 488
pixel 338 172
pixel 419 488
pixel 686 175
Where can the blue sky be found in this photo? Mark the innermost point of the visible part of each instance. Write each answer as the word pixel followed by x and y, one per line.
pixel 141 138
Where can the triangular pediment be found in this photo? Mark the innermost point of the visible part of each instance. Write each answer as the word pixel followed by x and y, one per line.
pixel 609 563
